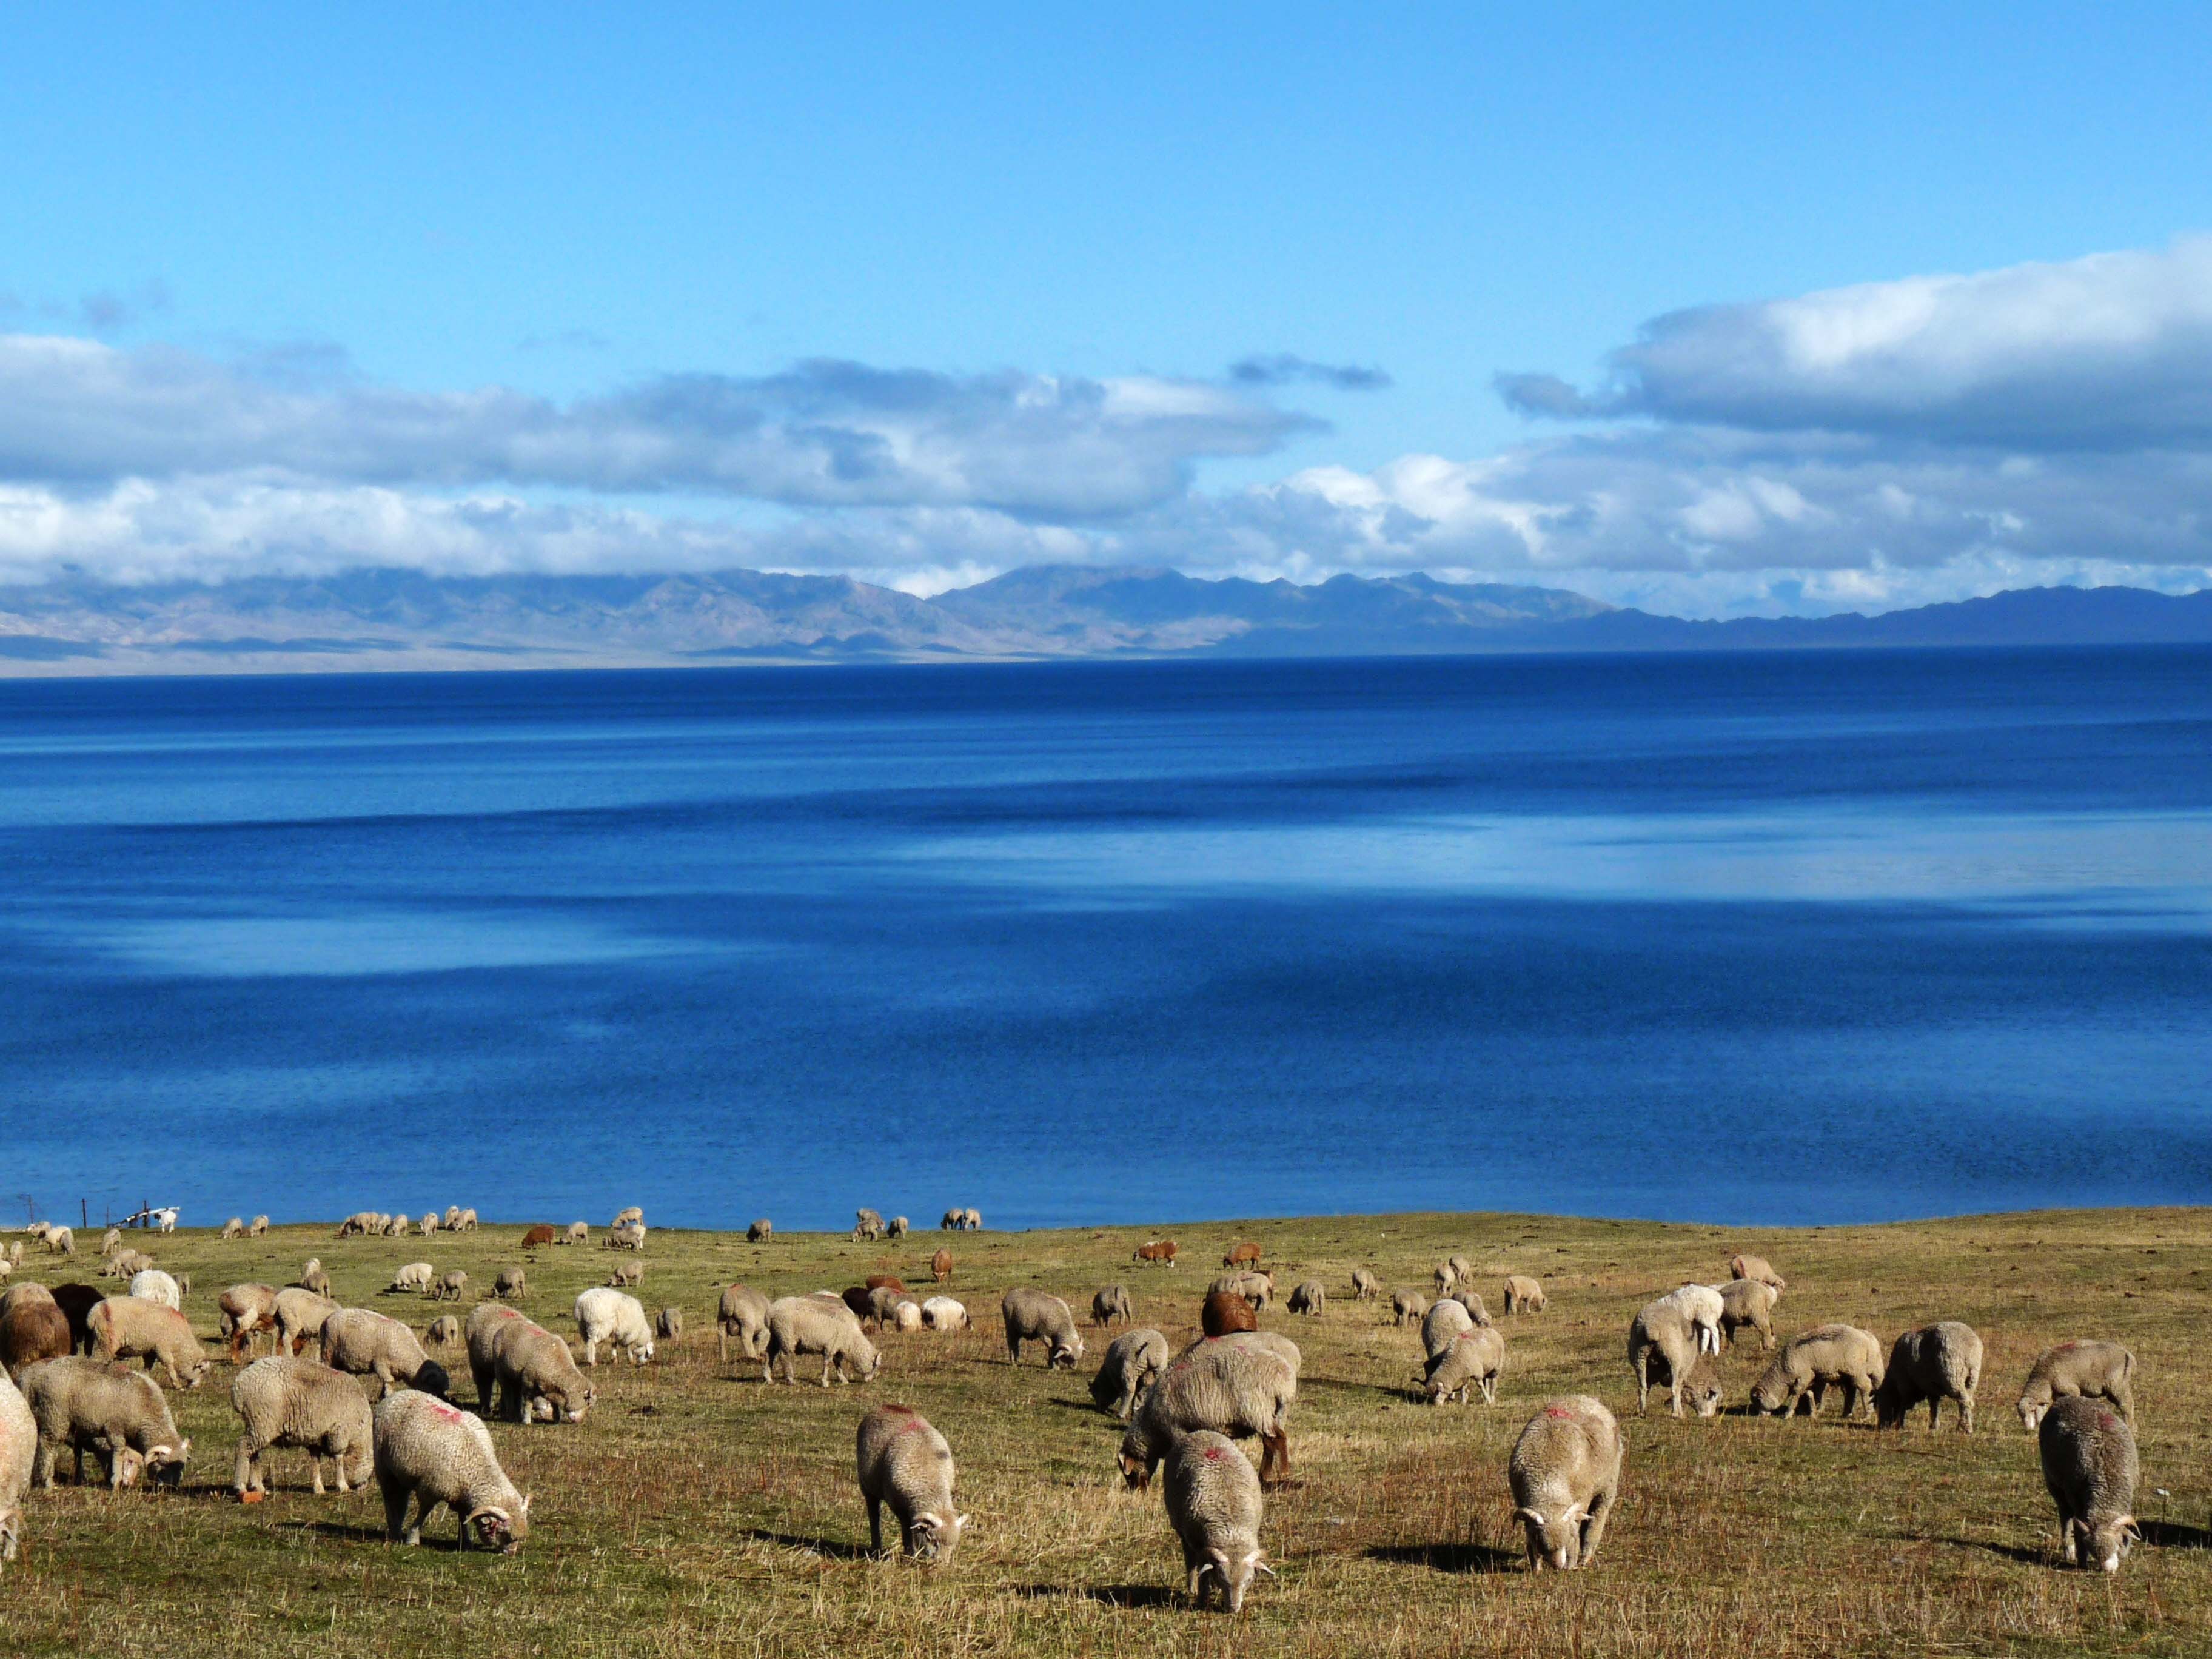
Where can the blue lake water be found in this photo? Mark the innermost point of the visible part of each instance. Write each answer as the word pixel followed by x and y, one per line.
pixel 1777 938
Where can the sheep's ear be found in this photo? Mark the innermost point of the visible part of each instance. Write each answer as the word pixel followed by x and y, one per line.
pixel 1258 1564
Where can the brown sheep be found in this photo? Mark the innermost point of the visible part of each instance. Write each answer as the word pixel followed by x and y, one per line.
pixel 76 1302
pixel 1241 1253
pixel 1160 1251
pixel 885 1282
pixel 940 1267
pixel 537 1235
pixel 32 1328
pixel 1227 1311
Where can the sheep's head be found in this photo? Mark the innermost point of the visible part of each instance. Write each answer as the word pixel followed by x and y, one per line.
pixel 2030 1413
pixel 432 1379
pixel 1065 1351
pixel 933 1535
pixel 499 1529
pixel 1136 1467
pixel 164 1464
pixel 1235 1573
pixel 1772 1391
pixel 2103 1546
pixel 1556 1540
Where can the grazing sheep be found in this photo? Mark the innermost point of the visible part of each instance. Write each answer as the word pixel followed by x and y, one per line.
pixel 626 1273
pixel 632 1216
pixel 1213 1503
pixel 452 1218
pixel 2079 1367
pixel 1703 1305
pixel 860 1301
pixel 467 1224
pixel 450 1287
pixel 1663 1347
pixel 445 1331
pixel 486 1321
pixel 1749 1303
pixel 1221 1384
pixel 942 1313
pixel 123 1263
pixel 1407 1306
pixel 429 1223
pixel 76 1302
pixel 313 1278
pixel 895 1227
pixel 1258 1289
pixel 2090 1465
pixel 246 1309
pixel 152 1285
pixel 1523 1295
pixel 1365 1287
pixel 906 1463
pixel 883 1306
pixel 885 1281
pixel 535 1373
pixel 607 1316
pixel 743 1314
pixel 1472 1301
pixel 1446 1278
pixel 300 1314
pixel 906 1316
pixel 1565 1476
pixel 396 1227
pixel 1444 1324
pixel 1111 1304
pixel 368 1344
pixel 19 1452
pixel 297 1403
pixel 511 1283
pixel 1475 1357
pixel 867 1226
pixel 257 1227
pixel 539 1237
pixel 1938 1362
pixel 129 1327
pixel 580 1232
pixel 1842 1355
pixel 971 1219
pixel 234 1228
pixel 1224 1311
pixel 1311 1298
pixel 810 1324
pixel 60 1241
pixel 354 1225
pixel 955 1219
pixel 1036 1315
pixel 1754 1268
pixel 631 1235
pixel 1158 1253
pixel 940 1268
pixel 120 1416
pixel 1133 1361
pixel 668 1324
pixel 760 1231
pixel 1242 1255
pixel 437 1454
pixel 414 1276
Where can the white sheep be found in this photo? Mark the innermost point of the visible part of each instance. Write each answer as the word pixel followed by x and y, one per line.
pixel 152 1285
pixel 904 1462
pixel 609 1316
pixel 439 1454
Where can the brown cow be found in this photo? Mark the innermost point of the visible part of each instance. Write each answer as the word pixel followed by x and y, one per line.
pixel 1240 1254
pixel 535 1237
pixel 1161 1250
pixel 940 1267
pixel 1227 1311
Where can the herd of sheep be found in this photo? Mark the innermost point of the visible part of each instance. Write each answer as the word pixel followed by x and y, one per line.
pixel 64 1386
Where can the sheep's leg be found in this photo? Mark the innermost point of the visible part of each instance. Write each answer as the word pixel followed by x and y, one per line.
pixel 241 1474
pixel 1966 1412
pixel 1643 1386
pixel 875 1524
pixel 827 1362
pixel 1593 1528
pixel 42 1464
pixel 395 1511
pixel 1935 1411
pixel 315 1468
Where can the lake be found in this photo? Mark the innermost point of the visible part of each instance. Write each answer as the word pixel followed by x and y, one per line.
pixel 1771 939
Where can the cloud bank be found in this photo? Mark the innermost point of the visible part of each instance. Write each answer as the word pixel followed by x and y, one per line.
pixel 1861 447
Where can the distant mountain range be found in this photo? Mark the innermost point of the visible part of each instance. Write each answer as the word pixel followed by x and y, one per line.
pixel 392 619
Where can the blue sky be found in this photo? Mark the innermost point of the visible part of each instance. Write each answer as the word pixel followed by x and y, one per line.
pixel 922 298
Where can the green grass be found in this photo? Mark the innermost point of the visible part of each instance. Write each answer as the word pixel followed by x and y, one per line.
pixel 699 1511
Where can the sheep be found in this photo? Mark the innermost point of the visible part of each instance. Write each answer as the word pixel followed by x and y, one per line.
pixel 1754 1268
pixel 2079 1367
pixel 450 1287
pixel 234 1228
pixel 1133 1361
pixel 1663 1347
pixel 1241 1254
pixel 511 1283
pixel 535 1374
pixel 1223 1383
pixel 668 1324
pixel 452 1218
pixel 1565 1476
pixel 297 1403
pixel 429 1223
pixel 1111 1303
pixel 129 1327
pixel 1472 1301
pixel 895 1227
pixel 1407 1306
pixel 1258 1289
pixel 445 1331
pixel 607 1316
pixel 1310 1298
pixel 437 1454
pixel 368 1344
pixel 123 1263
pixel 1522 1295
pixel 883 1306
pixel 1935 1363
pixel 885 1281
pixel 1703 1305
pixel 626 1216
pixel 942 1313
pixel 19 1452
pixel 1224 1311
pixel 313 1278
pixel 397 1227
pixel 76 1302
pixel 1748 1303
pixel 626 1273
pixel 1365 1287
pixel 1214 1504
pixel 904 1462
pixel 354 1226
pixel 60 1241
pixel 2090 1468
pixel 539 1237
pixel 743 1314
pixel 152 1285
pixel 257 1227
pixel 1842 1355
pixel 906 1316
pixel 300 1314
pixel 860 1301
pixel 1446 1278
pixel 246 1309
pixel 1476 1357
pixel 808 1324
pixel 1157 1252
pixel 867 1226
pixel 971 1219
pixel 414 1276
pixel 467 1224
pixel 955 1219
pixel 1036 1315
pixel 631 1235
pixel 120 1415
pixel 940 1268
pixel 580 1232
pixel 1444 1324
pixel 483 1332
pixel 166 1220
pixel 760 1231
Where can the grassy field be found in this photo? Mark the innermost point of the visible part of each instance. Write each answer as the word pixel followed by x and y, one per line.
pixel 700 1512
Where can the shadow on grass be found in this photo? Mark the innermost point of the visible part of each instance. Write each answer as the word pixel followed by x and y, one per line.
pixel 2174 1535
pixel 834 1548
pixel 1110 1596
pixel 1446 1557
pixel 2026 1555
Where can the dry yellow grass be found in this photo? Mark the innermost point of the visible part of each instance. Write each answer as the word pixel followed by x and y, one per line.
pixel 701 1512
